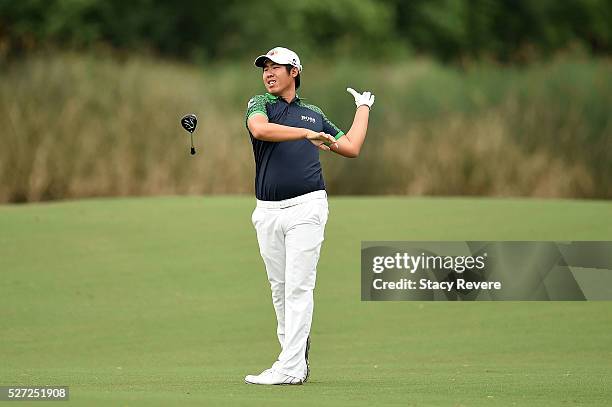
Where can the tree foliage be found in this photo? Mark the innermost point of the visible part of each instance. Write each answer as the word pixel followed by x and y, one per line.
pixel 504 30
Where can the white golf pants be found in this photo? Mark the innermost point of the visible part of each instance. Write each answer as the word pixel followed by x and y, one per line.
pixel 290 234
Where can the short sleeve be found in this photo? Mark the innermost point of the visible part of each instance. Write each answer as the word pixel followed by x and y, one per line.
pixel 328 126
pixel 257 104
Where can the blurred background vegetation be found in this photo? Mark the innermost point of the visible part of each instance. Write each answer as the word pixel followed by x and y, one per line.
pixel 474 97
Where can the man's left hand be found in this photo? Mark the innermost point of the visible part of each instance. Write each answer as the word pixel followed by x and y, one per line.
pixel 362 99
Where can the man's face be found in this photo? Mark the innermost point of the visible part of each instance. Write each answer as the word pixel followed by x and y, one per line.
pixel 276 78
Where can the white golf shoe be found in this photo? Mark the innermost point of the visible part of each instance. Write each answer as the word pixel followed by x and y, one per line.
pixel 271 377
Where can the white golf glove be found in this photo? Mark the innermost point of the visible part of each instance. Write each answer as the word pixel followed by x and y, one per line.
pixel 365 98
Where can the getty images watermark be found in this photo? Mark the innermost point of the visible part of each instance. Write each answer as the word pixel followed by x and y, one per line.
pixel 405 261
pixel 472 270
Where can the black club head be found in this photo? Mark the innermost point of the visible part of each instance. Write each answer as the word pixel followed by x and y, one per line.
pixel 189 122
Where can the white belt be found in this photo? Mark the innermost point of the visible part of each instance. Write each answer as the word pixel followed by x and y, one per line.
pixel 293 201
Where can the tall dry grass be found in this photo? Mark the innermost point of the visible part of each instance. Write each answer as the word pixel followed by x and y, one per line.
pixel 74 125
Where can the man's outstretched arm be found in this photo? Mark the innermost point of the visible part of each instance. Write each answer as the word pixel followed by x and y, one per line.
pixel 261 129
pixel 350 144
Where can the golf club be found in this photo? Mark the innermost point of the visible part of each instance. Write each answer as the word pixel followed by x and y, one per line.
pixel 189 123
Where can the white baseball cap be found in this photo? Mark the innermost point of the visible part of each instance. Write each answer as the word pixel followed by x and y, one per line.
pixel 281 56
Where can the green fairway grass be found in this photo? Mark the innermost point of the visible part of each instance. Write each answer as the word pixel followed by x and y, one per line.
pixel 165 301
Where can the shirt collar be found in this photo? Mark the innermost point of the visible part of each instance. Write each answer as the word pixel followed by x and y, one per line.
pixel 272 97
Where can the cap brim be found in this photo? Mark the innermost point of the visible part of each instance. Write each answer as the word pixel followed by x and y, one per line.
pixel 259 61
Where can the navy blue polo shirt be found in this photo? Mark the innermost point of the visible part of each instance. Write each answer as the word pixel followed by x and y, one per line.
pixel 287 169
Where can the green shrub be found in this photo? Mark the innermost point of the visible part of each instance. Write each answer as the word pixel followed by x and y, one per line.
pixel 79 125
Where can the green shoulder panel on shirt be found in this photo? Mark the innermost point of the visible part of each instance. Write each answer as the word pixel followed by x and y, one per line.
pixel 257 104
pixel 337 132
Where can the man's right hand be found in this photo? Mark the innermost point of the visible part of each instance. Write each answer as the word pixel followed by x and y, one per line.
pixel 321 140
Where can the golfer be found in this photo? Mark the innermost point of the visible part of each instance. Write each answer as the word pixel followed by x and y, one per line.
pixel 292 210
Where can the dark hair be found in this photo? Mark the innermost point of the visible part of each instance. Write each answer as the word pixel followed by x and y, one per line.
pixel 297 78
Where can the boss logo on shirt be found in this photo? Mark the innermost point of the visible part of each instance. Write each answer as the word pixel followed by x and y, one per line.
pixel 309 119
